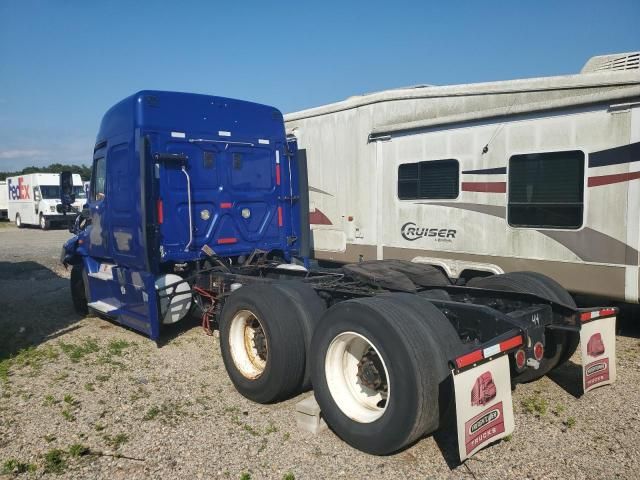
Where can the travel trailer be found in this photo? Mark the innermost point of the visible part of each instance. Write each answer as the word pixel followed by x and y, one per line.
pixel 34 199
pixel 537 174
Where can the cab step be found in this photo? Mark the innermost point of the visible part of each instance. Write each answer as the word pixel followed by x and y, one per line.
pixel 107 305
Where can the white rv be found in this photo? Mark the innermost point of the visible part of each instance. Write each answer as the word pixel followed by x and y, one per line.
pixel 33 199
pixel 4 200
pixel 537 174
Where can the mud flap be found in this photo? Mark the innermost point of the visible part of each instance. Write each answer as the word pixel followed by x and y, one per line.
pixel 598 352
pixel 484 409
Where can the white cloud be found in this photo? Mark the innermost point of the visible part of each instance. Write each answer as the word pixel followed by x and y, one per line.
pixel 19 154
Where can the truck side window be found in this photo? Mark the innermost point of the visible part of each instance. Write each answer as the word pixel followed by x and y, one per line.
pixel 99 179
pixel 429 180
pixel 546 190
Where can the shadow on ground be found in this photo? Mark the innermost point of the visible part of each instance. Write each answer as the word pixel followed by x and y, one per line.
pixel 35 306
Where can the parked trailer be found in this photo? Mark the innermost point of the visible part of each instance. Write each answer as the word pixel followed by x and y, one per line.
pixel 538 174
pixel 4 200
pixel 34 199
pixel 199 203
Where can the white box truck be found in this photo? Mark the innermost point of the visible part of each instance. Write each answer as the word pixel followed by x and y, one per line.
pixel 33 199
pixel 4 200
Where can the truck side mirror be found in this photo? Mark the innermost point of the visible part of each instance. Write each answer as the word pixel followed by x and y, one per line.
pixel 66 190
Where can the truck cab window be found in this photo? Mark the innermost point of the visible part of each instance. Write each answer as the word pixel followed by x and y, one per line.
pixel 546 190
pixel 99 179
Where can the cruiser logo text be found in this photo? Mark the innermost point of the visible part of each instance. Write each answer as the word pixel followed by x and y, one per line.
pixel 410 231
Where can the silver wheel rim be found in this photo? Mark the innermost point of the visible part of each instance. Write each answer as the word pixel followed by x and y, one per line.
pixel 18 220
pixel 248 344
pixel 43 222
pixel 357 377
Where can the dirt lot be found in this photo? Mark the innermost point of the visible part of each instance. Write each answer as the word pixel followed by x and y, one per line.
pixel 84 398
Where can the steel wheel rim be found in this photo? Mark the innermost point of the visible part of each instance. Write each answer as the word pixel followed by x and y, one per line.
pixel 248 344
pixel 343 372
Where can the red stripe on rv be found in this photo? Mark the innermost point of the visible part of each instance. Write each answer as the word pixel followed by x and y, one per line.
pixel 279 216
pixel 609 179
pixel 487 187
pixel 277 174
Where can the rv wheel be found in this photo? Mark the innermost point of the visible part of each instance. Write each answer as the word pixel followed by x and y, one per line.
pixel 560 346
pixel 262 343
pixel 18 221
pixel 78 290
pixel 44 223
pixel 376 372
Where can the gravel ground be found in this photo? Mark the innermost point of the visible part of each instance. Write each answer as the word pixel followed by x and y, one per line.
pixel 89 399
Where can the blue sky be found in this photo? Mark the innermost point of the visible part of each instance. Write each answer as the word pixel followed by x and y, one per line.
pixel 63 63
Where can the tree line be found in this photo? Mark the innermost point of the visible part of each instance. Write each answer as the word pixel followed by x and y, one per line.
pixel 83 170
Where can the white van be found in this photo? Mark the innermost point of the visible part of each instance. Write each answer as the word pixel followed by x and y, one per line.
pixel 4 200
pixel 33 199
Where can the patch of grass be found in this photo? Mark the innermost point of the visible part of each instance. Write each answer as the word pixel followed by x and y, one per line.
pixel 288 476
pixel 248 428
pixel 69 400
pixel 102 378
pixel 49 438
pixel 89 387
pixel 78 450
pixel 558 409
pixel 98 427
pixel 16 466
pixel 116 347
pixel 68 416
pixel 245 476
pixel 117 441
pixel 27 357
pixel 167 412
pixel 151 413
pixel 77 352
pixel 286 436
pixel 535 404
pixel 570 422
pixel 263 445
pixel 508 438
pixel 49 401
pixel 271 428
pixel 54 461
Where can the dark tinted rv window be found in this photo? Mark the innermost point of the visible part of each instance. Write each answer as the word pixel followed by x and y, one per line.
pixel 430 180
pixel 546 190
pixel 98 178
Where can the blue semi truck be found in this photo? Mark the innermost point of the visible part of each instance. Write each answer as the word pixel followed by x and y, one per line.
pixel 199 205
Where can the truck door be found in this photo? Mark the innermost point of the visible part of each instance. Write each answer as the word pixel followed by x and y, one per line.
pixel 97 204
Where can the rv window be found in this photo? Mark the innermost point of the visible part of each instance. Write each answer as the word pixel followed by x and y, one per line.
pixel 546 190
pixel 98 178
pixel 430 180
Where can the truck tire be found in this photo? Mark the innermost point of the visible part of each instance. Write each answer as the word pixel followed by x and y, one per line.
pixel 560 345
pixel 309 310
pixel 19 221
pixel 43 222
pixel 78 290
pixel 262 343
pixel 377 370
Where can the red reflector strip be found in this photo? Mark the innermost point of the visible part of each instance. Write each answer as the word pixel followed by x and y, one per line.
pixel 279 216
pixel 511 343
pixel 605 312
pixel 469 358
pixel 160 211
pixel 277 174
pixel 226 205
pixel 224 241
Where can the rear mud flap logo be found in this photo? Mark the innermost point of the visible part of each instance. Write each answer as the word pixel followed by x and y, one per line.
pixel 484 410
pixel 484 427
pixel 598 351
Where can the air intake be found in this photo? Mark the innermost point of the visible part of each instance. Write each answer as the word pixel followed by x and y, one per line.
pixel 615 62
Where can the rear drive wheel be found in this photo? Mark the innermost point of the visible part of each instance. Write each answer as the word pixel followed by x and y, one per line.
pixel 79 290
pixel 18 221
pixel 559 345
pixel 262 343
pixel 377 371
pixel 309 309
